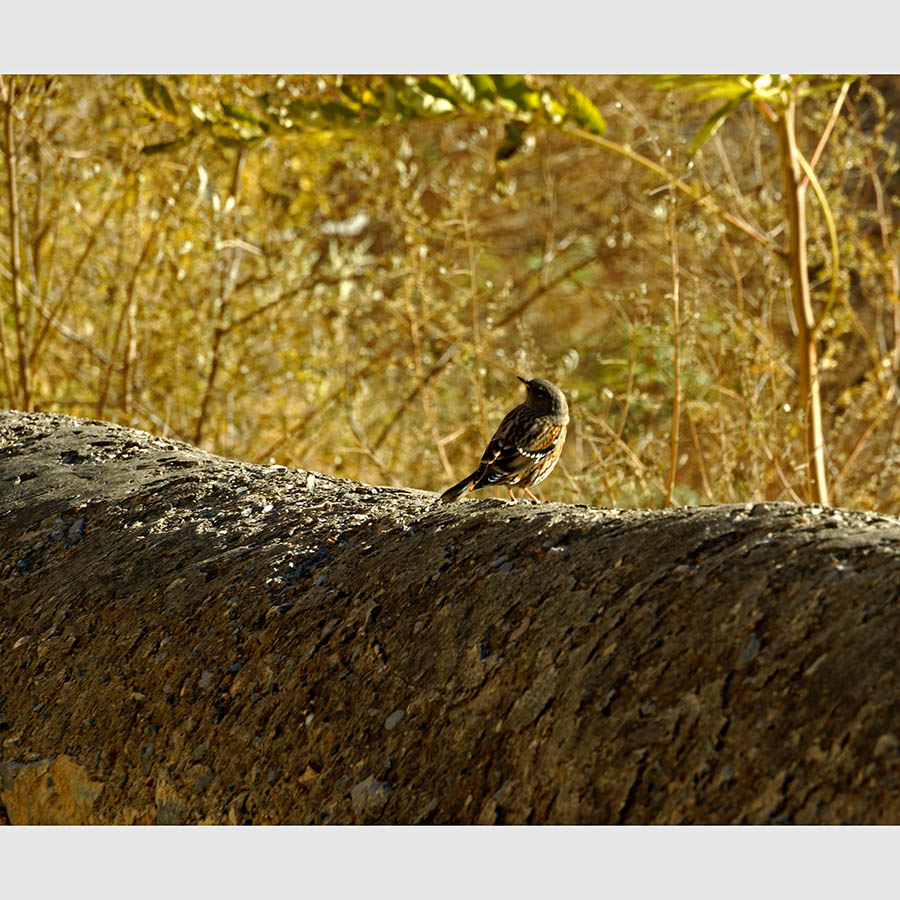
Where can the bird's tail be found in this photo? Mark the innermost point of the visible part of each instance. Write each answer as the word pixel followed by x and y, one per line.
pixel 455 492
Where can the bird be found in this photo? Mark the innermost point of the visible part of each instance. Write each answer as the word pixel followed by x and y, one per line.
pixel 526 445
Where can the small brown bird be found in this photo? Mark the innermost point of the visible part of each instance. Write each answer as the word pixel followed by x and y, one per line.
pixel 526 446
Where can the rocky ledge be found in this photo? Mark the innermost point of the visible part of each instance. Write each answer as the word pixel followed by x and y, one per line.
pixel 189 639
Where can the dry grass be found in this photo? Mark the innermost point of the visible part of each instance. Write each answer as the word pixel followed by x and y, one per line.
pixel 278 327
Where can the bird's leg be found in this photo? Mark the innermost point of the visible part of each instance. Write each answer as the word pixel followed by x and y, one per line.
pixel 533 498
pixel 512 496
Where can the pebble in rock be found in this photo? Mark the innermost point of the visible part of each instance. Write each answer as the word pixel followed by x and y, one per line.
pixel 369 795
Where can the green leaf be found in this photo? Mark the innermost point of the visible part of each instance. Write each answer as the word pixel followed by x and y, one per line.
pixel 729 89
pixel 483 85
pixel 423 104
pixel 350 95
pixel 514 89
pixel 705 86
pixel 553 109
pixel 437 87
pixel 690 83
pixel 725 87
pixel 584 112
pixel 717 119
pixel 507 83
pixel 241 114
pixel 825 87
pixel 464 87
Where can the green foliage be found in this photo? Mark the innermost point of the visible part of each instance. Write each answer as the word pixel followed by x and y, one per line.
pixel 376 102
pixel 774 90
pixel 717 120
pixel 584 112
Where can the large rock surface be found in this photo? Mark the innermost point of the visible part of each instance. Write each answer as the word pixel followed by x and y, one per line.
pixel 188 639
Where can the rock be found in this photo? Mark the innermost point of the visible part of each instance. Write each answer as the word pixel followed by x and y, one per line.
pixel 696 665
pixel 369 798
pixel 204 780
pixel 200 751
pixel 50 791
pixel 147 751
pixel 750 651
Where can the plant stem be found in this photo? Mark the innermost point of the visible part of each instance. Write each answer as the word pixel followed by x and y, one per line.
pixel 823 140
pixel 676 358
pixel 15 262
pixel 808 374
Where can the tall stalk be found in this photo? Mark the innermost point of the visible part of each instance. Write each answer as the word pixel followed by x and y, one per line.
pixel 676 351
pixel 808 367
pixel 15 259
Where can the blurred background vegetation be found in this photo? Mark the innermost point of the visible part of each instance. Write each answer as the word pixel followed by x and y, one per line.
pixel 345 274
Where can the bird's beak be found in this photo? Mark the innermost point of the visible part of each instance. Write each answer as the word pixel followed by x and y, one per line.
pixel 523 380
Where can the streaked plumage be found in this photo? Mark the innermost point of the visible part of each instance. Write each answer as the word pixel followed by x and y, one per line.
pixel 525 447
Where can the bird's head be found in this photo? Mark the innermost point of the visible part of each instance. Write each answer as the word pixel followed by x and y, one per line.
pixel 545 397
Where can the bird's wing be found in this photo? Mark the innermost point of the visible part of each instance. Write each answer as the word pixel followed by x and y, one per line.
pixel 522 438
pixel 541 441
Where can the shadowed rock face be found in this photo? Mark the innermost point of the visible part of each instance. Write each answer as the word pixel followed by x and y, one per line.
pixel 188 639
